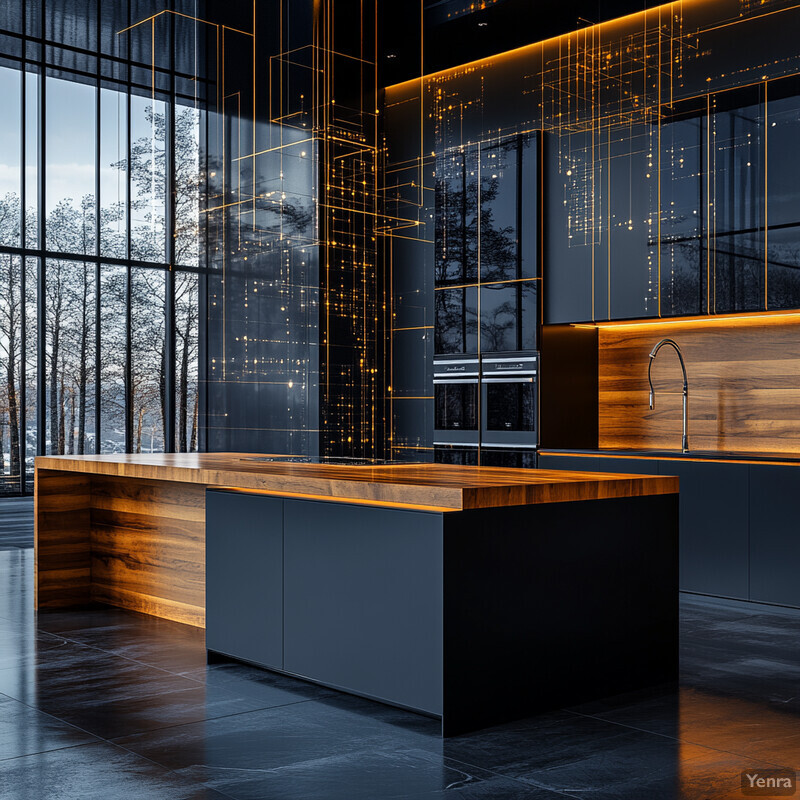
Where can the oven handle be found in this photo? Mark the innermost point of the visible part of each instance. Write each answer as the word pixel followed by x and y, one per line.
pixel 507 380
pixel 458 381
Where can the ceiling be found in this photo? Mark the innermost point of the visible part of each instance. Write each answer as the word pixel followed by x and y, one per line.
pixel 457 31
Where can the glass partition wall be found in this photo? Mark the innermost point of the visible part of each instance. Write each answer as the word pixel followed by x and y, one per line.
pixel 100 278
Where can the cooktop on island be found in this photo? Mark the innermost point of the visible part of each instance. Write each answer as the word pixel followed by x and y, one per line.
pixel 342 460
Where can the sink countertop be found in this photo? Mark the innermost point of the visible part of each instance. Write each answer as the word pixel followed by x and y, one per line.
pixel 692 455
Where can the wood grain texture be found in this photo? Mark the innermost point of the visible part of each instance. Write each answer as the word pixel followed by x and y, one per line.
pixel 148 547
pixel 414 486
pixel 744 387
pixel 130 530
pixel 62 514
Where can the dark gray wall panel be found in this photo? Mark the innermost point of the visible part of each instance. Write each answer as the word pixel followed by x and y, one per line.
pixel 244 577
pixel 363 600
pixel 567 266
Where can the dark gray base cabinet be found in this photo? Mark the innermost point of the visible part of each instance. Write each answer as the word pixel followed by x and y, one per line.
pixel 740 536
pixel 775 534
pixel 713 516
pixel 363 600
pixel 244 577
pixel 477 617
pixel 714 537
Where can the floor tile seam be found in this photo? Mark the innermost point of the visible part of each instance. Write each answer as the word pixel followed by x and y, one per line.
pixel 112 653
pixel 327 691
pixel 515 778
pixel 150 730
pixel 177 774
pixel 622 725
pixel 190 675
pixel 98 740
pixel 234 696
pixel 61 721
pixel 393 751
pixel 173 690
pixel 678 739
pixel 116 739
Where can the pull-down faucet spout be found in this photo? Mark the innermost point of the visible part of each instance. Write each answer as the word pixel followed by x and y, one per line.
pixel 653 354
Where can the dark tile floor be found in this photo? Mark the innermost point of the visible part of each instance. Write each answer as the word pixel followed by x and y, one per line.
pixel 110 704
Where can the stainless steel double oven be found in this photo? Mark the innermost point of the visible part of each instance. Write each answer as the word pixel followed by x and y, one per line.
pixel 487 406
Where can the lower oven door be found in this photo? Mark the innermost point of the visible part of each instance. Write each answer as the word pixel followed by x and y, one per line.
pixel 456 403
pixel 456 454
pixel 508 456
pixel 509 413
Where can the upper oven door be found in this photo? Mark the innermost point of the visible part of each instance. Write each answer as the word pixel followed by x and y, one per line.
pixel 509 400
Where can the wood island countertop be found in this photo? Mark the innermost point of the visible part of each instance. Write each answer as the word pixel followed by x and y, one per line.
pixel 434 487
pixel 130 530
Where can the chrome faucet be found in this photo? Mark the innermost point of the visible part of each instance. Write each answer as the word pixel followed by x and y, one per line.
pixel 653 354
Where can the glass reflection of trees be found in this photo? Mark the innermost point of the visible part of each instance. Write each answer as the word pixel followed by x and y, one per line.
pixel 499 249
pixel 509 316
pixel 456 320
pixel 72 306
pixel 479 191
pixel 732 226
pixel 456 217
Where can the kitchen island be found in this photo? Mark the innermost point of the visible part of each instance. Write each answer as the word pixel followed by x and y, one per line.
pixel 472 594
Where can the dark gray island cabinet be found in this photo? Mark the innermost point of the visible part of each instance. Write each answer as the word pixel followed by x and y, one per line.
pixel 476 616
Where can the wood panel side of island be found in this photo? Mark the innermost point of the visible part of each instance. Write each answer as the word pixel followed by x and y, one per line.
pixel 62 525
pixel 130 543
pixel 148 547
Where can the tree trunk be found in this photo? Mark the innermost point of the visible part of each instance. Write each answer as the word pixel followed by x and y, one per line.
pixel 71 437
pixel 13 411
pixel 82 370
pixel 183 393
pixel 193 441
pixel 61 413
pixel 2 452
pixel 54 390
pixel 13 419
pixel 162 394
pixel 138 448
pixel 15 456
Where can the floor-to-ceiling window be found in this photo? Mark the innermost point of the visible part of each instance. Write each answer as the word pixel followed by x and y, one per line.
pixel 100 275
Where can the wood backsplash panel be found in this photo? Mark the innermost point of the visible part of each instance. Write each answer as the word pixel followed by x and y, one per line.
pixel 744 386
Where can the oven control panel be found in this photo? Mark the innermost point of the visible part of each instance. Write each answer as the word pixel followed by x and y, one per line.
pixel 523 365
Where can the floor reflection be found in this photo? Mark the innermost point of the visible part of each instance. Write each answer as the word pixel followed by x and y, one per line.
pixel 108 703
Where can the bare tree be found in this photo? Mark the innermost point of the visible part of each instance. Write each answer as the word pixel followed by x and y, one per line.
pixel 70 377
